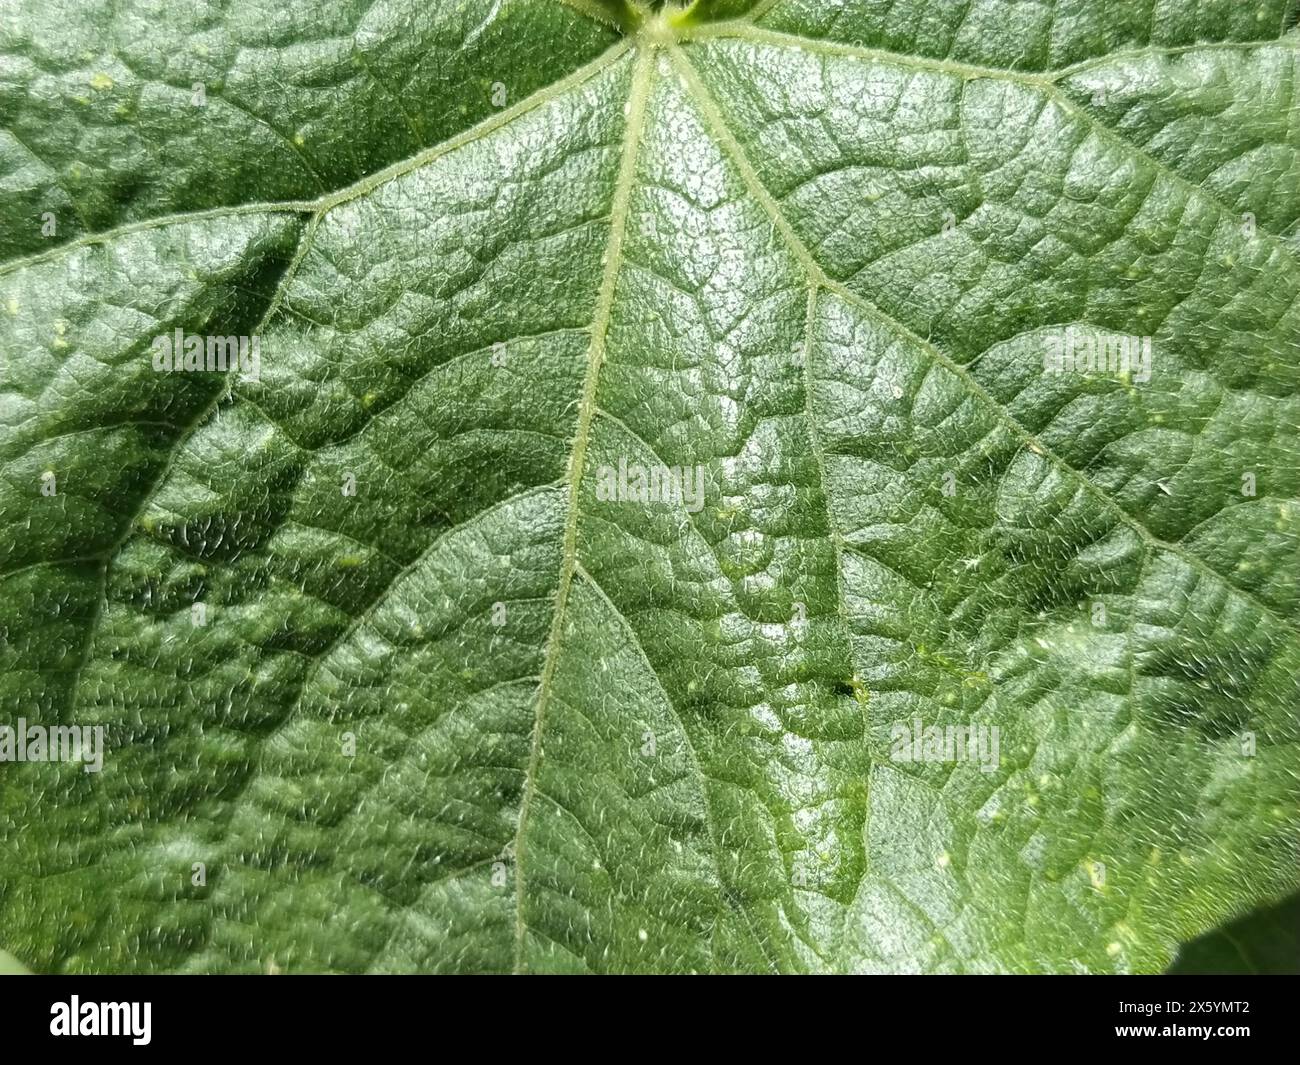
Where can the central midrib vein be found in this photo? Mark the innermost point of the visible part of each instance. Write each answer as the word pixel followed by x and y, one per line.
pixel 635 123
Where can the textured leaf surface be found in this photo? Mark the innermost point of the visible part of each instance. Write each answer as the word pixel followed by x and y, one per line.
pixel 815 249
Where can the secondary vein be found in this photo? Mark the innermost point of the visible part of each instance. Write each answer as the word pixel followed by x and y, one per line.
pixel 727 140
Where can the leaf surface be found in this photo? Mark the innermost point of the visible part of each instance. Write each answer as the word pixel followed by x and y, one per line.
pixel 389 684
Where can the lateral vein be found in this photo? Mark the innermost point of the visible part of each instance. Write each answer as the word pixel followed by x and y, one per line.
pixel 1047 83
pixel 327 202
pixel 704 101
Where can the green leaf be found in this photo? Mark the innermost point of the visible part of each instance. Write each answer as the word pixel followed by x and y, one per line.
pixel 388 682
pixel 1265 942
